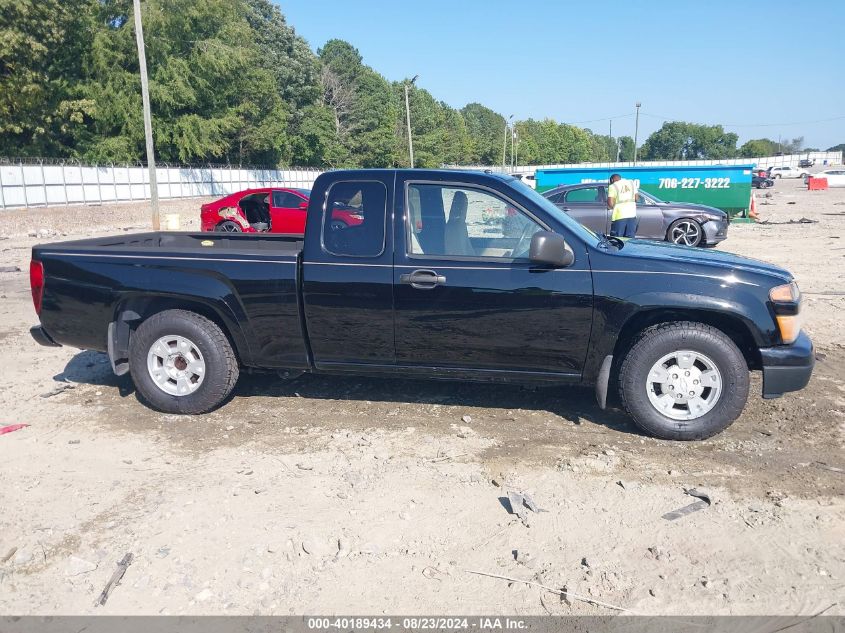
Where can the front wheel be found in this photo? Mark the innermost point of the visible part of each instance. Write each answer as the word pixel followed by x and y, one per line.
pixel 686 232
pixel 182 362
pixel 683 381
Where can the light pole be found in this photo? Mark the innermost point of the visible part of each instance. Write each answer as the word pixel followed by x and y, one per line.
pixel 505 143
pixel 636 131
pixel 148 125
pixel 516 155
pixel 408 117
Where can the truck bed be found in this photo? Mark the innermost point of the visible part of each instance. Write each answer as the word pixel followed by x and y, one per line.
pixel 246 282
pixel 180 242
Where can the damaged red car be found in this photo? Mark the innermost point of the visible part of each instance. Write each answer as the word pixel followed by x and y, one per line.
pixel 270 210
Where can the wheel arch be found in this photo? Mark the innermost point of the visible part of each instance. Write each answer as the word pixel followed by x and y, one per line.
pixel 133 310
pixel 732 325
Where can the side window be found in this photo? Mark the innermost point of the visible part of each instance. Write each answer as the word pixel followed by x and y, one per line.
pixel 285 200
pixel 555 198
pixel 366 202
pixel 464 222
pixel 587 194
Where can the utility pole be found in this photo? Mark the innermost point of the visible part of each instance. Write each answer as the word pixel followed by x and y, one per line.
pixel 505 144
pixel 516 157
pixel 148 124
pixel 636 132
pixel 408 118
pixel 513 142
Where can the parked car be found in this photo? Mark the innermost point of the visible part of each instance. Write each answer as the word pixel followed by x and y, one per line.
pixel 528 179
pixel 806 162
pixel 835 176
pixel 679 222
pixel 429 285
pixel 271 210
pixel 759 181
pixel 787 171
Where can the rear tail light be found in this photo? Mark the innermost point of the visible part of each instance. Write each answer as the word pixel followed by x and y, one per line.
pixel 36 283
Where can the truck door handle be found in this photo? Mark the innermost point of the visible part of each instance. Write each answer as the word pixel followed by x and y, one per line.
pixel 423 279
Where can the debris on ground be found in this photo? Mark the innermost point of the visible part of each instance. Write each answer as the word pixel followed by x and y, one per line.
pixel 57 390
pixel 8 555
pixel 704 502
pixel 560 592
pixel 9 269
pixel 11 428
pixel 519 502
pixel 122 566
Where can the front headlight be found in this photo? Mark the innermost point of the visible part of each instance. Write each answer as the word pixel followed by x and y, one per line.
pixel 786 300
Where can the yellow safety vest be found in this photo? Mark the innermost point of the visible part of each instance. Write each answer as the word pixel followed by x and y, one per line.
pixel 624 194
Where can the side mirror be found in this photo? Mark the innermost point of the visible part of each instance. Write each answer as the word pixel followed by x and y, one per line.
pixel 303 204
pixel 549 249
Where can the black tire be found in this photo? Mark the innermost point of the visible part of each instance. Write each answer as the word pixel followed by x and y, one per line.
pixel 229 226
pixel 221 365
pixel 659 340
pixel 676 226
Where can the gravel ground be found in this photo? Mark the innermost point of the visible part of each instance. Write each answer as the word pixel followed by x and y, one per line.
pixel 348 495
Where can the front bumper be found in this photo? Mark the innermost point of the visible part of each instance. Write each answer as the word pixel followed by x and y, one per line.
pixel 715 231
pixel 41 337
pixel 787 367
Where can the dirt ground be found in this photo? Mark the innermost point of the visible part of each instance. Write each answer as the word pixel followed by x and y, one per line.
pixel 361 496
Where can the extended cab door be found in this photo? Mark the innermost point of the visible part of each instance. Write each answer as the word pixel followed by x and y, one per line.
pixel 467 298
pixel 347 274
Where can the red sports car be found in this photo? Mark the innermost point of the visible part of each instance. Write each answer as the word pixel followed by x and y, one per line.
pixel 271 210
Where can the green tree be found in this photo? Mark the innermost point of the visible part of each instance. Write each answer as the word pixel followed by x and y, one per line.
pixel 837 148
pixel 677 140
pixel 43 52
pixel 364 107
pixel 626 149
pixel 486 131
pixel 759 147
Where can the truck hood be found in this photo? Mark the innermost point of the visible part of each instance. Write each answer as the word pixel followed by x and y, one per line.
pixel 672 257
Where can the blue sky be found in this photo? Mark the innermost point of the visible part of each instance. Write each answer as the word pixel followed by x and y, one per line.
pixel 771 68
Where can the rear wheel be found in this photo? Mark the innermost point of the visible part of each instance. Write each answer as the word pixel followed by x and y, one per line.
pixel 685 231
pixel 683 381
pixel 182 362
pixel 228 227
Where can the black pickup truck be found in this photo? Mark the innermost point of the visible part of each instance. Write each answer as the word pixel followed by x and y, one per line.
pixel 460 275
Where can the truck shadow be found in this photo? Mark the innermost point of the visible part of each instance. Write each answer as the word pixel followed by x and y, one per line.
pixel 573 404
pixel 94 368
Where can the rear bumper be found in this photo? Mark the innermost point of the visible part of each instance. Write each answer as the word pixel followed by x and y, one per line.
pixel 787 367
pixel 715 232
pixel 41 337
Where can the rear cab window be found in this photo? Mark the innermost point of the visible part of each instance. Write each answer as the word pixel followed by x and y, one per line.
pixel 354 217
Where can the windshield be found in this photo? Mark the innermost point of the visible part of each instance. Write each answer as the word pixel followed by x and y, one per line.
pixel 553 211
pixel 651 198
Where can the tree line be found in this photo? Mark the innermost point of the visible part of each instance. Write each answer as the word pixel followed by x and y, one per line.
pixel 232 82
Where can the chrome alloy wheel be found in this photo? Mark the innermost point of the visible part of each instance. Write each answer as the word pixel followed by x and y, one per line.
pixel 176 365
pixel 687 232
pixel 684 385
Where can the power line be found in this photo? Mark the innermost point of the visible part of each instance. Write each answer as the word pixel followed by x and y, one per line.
pixel 670 118
pixel 607 118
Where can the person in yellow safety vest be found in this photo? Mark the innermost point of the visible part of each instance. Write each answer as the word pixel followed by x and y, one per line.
pixel 622 200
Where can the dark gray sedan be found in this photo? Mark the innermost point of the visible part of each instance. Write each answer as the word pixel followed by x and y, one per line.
pixel 678 222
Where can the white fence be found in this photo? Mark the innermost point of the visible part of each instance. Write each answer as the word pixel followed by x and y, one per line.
pixel 41 184
pixel 820 158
